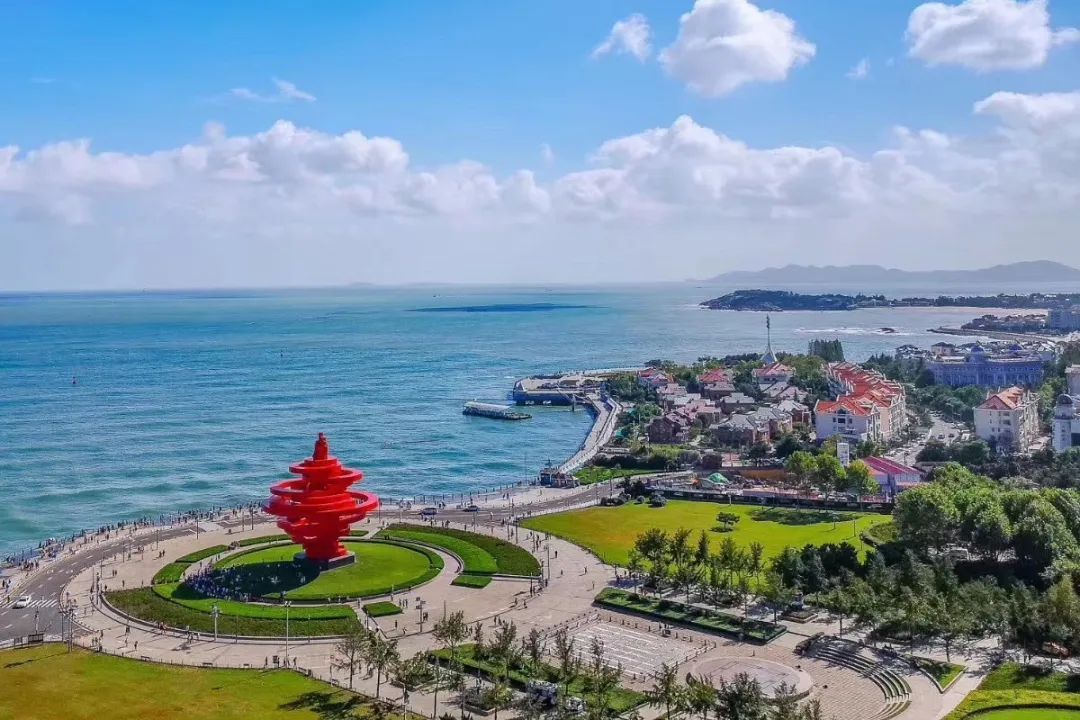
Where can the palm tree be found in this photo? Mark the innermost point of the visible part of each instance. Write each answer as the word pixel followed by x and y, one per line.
pixel 666 689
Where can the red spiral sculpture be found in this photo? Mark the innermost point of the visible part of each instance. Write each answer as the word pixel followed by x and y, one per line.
pixel 317 509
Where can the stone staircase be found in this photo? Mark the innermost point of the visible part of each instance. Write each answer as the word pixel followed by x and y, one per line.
pixel 895 688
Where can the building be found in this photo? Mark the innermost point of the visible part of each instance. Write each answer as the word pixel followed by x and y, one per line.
pixel 977 366
pixel 893 477
pixel 1009 419
pixel 869 406
pixel 852 420
pixel 671 428
pixel 774 373
pixel 1072 379
pixel 1064 319
pixel 654 378
pixel 716 384
pixel 1066 422
pixel 800 414
pixel 777 421
pixel 740 430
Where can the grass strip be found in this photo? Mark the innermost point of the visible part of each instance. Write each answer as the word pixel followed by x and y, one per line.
pixel 198 555
pixel 622 699
pixel 171 573
pixel 472 581
pixel 261 540
pixel 508 558
pixel 730 626
pixel 149 606
pixel 382 609
pixel 181 594
pixel 945 673
pixel 1014 685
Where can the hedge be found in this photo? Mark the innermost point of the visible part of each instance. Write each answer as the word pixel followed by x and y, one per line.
pixel 198 555
pixel 472 581
pixel 698 618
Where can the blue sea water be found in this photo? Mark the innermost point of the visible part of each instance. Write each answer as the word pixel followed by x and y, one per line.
pixel 200 399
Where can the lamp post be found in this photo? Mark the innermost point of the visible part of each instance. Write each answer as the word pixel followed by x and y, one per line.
pixel 288 604
pixel 420 610
pixel 215 611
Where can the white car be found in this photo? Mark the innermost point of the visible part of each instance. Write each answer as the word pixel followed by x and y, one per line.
pixel 23 601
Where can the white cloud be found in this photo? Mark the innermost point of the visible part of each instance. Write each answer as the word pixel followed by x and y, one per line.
pixel 286 92
pixel 985 35
pixel 629 36
pixel 547 154
pixel 683 190
pixel 860 71
pixel 724 44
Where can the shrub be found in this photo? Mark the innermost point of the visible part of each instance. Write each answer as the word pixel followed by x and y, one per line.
pixel 472 581
pixel 382 609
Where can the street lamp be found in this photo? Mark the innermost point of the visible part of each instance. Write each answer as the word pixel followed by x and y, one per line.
pixel 215 611
pixel 288 604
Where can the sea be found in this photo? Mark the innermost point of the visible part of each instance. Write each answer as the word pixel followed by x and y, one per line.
pixel 127 405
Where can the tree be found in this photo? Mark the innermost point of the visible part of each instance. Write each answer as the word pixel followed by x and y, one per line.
pixel 755 558
pixel 652 544
pixel 829 474
pixel 686 576
pixel 679 547
pixel 776 593
pixel 786 446
pixel 350 652
pixel 450 631
pixel 741 698
pixel 382 656
pixel 860 480
pixel 534 647
pixel 840 601
pixel 666 690
pixel 701 550
pixel 926 517
pixel 700 695
pixel 785 703
pixel 1061 613
pixel 635 565
pixel 758 452
pixel 727 520
pixel 1041 534
pixel 566 657
pixel 802 466
pixel 602 680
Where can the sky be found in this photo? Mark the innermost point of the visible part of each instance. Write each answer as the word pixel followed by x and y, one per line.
pixel 184 145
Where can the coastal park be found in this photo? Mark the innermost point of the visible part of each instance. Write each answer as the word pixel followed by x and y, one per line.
pixel 386 614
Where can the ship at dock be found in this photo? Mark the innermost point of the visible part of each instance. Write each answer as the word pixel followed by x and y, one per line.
pixel 491 410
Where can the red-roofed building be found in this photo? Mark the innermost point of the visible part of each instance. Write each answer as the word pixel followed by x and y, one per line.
pixel 774 373
pixel 893 477
pixel 869 406
pixel 1009 419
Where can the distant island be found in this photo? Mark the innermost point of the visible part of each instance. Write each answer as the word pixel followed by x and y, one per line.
pixel 1032 271
pixel 501 308
pixel 780 300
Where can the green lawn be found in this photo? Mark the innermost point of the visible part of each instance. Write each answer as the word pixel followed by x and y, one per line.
pixel 149 605
pixel 182 594
pixel 481 554
pixel 1017 691
pixel 194 557
pixel 610 531
pixel 594 474
pixel 695 617
pixel 382 609
pixel 48 683
pixel 379 568
pixel 472 581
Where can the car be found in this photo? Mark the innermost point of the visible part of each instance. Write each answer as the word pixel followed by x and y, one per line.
pixel 23 601
pixel 472 508
pixel 429 512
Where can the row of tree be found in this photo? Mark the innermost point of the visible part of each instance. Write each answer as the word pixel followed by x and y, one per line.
pixel 824 473
pixel 741 698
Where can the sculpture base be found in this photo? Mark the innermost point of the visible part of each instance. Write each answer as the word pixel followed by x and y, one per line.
pixel 340 561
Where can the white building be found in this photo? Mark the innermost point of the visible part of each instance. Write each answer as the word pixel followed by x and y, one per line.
pixel 868 406
pixel 1072 377
pixel 1067 422
pixel 1009 419
pixel 852 420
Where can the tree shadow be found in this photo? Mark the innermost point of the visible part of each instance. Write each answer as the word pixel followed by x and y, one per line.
pixel 792 516
pixel 336 705
pixel 28 661
pixel 267 579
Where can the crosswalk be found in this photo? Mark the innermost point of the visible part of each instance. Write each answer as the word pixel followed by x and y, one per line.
pixel 34 604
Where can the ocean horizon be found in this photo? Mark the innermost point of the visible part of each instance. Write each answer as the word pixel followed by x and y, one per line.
pixel 115 406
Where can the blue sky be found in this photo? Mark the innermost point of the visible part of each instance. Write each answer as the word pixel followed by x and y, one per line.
pixel 491 83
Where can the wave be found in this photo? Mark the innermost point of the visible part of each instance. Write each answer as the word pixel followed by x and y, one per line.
pixel 847 330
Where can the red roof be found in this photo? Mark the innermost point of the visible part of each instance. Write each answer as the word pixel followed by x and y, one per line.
pixel 1008 399
pixel 714 376
pixel 849 404
pixel 889 467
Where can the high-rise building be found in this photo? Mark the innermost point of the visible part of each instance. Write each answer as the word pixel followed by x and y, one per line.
pixel 1009 420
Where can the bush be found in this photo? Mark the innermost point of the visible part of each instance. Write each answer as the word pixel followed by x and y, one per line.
pixel 382 609
pixel 472 581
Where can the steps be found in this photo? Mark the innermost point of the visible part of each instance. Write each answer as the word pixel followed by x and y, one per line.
pixel 895 688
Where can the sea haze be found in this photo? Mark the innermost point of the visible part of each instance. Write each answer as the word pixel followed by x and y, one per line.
pixel 199 399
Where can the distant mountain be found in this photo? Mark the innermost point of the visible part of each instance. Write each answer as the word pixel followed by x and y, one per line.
pixel 1031 271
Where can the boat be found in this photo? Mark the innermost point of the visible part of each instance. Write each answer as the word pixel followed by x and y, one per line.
pixel 491 410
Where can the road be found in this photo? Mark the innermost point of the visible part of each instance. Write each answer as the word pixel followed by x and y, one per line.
pixel 46 586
